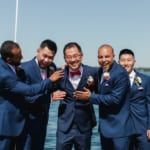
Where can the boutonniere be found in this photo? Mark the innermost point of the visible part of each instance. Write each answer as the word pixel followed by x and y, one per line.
pixel 51 70
pixel 90 82
pixel 138 82
pixel 106 76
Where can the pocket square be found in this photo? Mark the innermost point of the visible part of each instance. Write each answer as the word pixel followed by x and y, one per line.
pixel 140 88
pixel 106 84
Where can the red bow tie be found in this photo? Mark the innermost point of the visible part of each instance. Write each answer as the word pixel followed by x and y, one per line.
pixel 72 74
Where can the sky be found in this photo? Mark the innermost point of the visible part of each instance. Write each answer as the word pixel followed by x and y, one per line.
pixel 91 23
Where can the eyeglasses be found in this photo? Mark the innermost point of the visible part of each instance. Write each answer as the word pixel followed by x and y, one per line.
pixel 69 57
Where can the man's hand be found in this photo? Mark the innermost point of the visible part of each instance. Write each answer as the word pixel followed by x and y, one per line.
pixel 58 95
pixel 148 134
pixel 57 75
pixel 83 95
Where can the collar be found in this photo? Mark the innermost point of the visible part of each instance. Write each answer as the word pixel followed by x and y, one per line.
pixel 12 67
pixel 132 74
pixel 36 61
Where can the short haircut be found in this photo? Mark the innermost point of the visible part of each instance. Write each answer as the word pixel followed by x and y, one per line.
pixel 6 49
pixel 50 44
pixel 70 45
pixel 126 51
pixel 107 45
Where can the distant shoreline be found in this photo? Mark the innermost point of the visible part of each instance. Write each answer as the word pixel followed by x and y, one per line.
pixel 142 69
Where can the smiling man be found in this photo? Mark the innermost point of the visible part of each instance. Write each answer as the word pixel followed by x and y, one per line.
pixel 75 118
pixel 139 98
pixel 36 70
pixel 15 95
pixel 114 124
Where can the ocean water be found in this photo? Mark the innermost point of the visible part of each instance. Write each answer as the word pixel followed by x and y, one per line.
pixel 50 143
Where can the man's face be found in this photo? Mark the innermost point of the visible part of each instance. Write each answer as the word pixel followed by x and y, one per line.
pixel 105 57
pixel 127 61
pixel 73 58
pixel 16 58
pixel 45 57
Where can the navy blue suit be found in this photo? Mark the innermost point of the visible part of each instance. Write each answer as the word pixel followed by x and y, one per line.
pixel 38 112
pixel 115 122
pixel 140 110
pixel 14 96
pixel 75 116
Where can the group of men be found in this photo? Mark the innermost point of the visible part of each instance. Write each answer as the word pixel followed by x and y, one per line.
pixel 26 90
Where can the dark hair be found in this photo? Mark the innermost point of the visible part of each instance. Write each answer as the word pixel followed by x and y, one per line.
pixel 50 44
pixel 70 45
pixel 7 47
pixel 126 51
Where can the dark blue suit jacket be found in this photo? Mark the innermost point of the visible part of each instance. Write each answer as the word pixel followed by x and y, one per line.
pixel 140 104
pixel 73 110
pixel 13 110
pixel 114 111
pixel 33 75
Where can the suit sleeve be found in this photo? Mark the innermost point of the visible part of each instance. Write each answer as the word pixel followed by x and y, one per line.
pixel 95 90
pixel 35 98
pixel 148 101
pixel 119 87
pixel 12 85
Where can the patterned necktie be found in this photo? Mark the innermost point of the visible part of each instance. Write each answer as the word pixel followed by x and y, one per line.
pixel 72 74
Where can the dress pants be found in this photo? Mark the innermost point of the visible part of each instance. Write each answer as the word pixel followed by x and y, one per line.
pixel 80 141
pixel 37 132
pixel 115 143
pixel 12 143
pixel 139 142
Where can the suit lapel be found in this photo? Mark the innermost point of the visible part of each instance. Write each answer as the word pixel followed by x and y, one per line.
pixel 83 79
pixel 99 79
pixel 36 69
pixel 66 81
pixel 133 89
pixel 137 74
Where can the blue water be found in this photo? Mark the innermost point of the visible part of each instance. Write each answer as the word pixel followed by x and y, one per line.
pixel 52 125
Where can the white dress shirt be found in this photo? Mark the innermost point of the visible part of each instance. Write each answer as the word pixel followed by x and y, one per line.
pixel 76 79
pixel 132 76
pixel 43 71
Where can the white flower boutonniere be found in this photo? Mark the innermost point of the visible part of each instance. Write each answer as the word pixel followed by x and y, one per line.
pixel 138 82
pixel 90 81
pixel 106 76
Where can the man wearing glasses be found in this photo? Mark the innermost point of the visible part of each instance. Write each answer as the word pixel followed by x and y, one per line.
pixel 75 118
